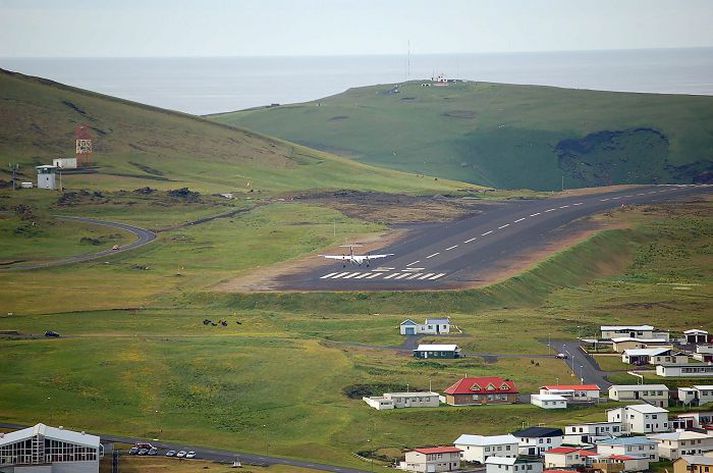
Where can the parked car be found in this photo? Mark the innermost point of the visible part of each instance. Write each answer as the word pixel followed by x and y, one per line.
pixel 133 450
pixel 191 454
pixel 181 454
pixel 143 451
pixel 52 333
pixel 171 453
pixel 562 356
pixel 153 451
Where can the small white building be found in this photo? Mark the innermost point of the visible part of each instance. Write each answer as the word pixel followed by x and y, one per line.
pixel 26 185
pixel 426 350
pixel 629 446
pixel 537 440
pixel 629 463
pixel 685 370
pixel 513 465
pixel 671 445
pixel 403 400
pixel 574 393
pixel 46 177
pixel 435 326
pixel 620 344
pixel 652 356
pixel 44 449
pixel 696 395
pixel 548 401
pixel 591 432
pixel 432 459
pixel 695 336
pixel 640 418
pixel 610 332
pixel 65 163
pixel 478 448
pixel 656 394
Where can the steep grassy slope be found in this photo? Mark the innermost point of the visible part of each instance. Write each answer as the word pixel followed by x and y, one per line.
pixel 137 145
pixel 506 135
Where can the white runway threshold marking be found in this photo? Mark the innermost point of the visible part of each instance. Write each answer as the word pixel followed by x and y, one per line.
pixel 349 276
pixel 487 233
pixel 519 220
pixel 326 276
pixel 411 264
pixel 373 276
pixel 389 276
pixel 414 276
pixel 426 276
pixel 469 240
pixel 434 254
pixel 337 276
pixel 503 226
pixel 439 275
pixel 363 275
pixel 451 247
pixel 401 276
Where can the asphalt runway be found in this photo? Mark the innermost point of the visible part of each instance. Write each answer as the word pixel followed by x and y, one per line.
pixel 458 254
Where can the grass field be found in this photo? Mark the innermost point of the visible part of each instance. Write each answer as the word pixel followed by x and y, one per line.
pixel 136 358
pixel 510 136
pixel 137 146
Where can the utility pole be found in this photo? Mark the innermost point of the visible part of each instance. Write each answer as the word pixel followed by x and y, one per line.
pixel 562 182
pixel 14 168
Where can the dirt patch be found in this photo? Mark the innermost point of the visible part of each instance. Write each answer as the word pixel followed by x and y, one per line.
pixel 268 279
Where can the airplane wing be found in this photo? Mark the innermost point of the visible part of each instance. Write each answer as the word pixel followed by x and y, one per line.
pixel 339 257
pixel 366 257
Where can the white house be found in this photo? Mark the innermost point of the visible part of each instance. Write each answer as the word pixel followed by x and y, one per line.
pixel 435 326
pixel 629 446
pixel 610 332
pixel 574 393
pixel 65 163
pixel 620 344
pixel 432 459
pixel 403 400
pixel 46 177
pixel 44 449
pixel 656 394
pixel 537 440
pixel 671 445
pixel 512 465
pixel 426 350
pixel 640 418
pixel 477 448
pixel 629 463
pixel 567 457
pixel 695 336
pixel 696 395
pixel 652 356
pixel 548 401
pixel 684 370
pixel 591 432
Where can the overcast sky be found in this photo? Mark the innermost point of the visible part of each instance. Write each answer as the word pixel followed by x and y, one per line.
pixel 76 28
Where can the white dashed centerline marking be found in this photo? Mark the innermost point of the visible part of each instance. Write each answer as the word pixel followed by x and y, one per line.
pixel 578 203
pixel 652 192
pixel 384 269
pixel 487 233
pixel 411 264
pixel 603 200
pixel 451 247
pixel 469 240
pixel 411 270
pixel 503 226
pixel 616 198
pixel 564 206
pixel 550 210
pixel 434 254
pixel 641 194
pixel 519 220
pixel 535 214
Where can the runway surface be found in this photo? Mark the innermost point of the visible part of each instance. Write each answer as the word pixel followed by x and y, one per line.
pixel 456 254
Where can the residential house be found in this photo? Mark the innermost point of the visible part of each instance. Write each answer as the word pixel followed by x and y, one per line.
pixel 704 353
pixel 574 393
pixel 696 395
pixel 653 356
pixel 693 464
pixel 436 326
pixel 610 332
pixel 437 351
pixel 692 420
pixel 432 459
pixel 477 391
pixel 477 448
pixel 627 343
pixel 672 445
pixel 696 336
pixel 403 400
pixel 537 440
pixel 640 418
pixel 48 449
pixel 591 432
pixel 548 401
pixel 513 465
pixel 655 394
pixel 620 463
pixel 566 457
pixel 684 370
pixel 629 446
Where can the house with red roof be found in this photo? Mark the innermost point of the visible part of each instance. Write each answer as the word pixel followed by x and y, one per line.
pixel 574 393
pixel 478 391
pixel 432 459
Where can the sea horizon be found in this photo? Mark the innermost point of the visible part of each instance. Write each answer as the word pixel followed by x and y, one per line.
pixel 216 84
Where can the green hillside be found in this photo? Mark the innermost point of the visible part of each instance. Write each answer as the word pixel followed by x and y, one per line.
pixel 137 146
pixel 510 136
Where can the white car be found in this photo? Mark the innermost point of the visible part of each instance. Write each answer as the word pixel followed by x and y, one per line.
pixel 181 454
pixel 191 454
pixel 562 356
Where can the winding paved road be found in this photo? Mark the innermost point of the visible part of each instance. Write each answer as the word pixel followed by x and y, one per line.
pixel 143 237
pixel 225 456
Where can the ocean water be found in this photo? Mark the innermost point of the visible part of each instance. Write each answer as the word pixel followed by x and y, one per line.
pixel 219 84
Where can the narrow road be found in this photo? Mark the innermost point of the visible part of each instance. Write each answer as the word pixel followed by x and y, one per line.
pixel 143 238
pixel 581 364
pixel 225 456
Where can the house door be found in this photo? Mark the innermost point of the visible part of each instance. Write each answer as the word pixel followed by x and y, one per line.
pixel 430 468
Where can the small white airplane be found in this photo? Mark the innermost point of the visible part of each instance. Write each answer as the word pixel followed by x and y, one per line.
pixel 355 259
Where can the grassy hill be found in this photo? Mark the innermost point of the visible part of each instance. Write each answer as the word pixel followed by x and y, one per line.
pixel 138 145
pixel 501 135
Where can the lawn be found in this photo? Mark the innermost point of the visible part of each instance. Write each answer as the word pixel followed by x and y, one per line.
pixel 613 363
